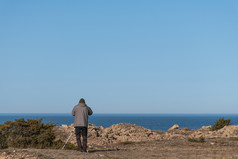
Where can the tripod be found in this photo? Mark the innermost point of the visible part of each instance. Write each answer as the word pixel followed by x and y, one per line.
pixel 68 140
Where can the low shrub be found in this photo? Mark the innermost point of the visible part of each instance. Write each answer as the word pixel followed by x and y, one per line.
pixel 30 133
pixel 59 144
pixel 200 139
pixel 3 141
pixel 220 124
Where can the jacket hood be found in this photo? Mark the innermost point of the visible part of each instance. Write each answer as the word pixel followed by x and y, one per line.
pixel 82 105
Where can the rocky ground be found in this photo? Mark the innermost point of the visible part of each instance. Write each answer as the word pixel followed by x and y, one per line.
pixel 177 148
pixel 132 141
pixel 134 133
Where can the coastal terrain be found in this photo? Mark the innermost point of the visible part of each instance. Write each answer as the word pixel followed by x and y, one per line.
pixel 133 141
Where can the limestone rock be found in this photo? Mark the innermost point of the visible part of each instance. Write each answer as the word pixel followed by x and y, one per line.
pixel 176 126
pixel 206 127
pixel 98 135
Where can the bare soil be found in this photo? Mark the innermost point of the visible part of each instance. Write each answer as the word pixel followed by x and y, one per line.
pixel 177 148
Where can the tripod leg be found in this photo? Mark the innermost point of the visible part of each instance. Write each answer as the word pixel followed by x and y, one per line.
pixel 67 140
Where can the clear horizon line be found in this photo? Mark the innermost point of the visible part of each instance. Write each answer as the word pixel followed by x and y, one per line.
pixel 122 113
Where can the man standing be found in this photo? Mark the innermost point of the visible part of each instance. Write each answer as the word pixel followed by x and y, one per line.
pixel 80 113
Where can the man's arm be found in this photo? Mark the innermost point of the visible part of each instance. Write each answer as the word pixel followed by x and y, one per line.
pixel 73 112
pixel 90 112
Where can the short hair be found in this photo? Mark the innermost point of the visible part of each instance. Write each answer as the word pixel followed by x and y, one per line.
pixel 82 101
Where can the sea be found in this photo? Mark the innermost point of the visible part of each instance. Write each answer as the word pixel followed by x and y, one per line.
pixel 150 121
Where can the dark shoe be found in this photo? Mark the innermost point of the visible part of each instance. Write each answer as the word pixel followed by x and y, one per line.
pixel 80 149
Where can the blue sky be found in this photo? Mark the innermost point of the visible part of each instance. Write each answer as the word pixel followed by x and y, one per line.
pixel 121 56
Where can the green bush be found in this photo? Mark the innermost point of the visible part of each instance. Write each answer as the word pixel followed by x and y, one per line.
pixel 220 124
pixel 3 141
pixel 30 133
pixel 200 139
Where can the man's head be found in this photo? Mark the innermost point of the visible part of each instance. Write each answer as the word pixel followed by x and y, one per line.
pixel 82 101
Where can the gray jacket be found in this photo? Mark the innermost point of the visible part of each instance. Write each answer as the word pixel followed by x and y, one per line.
pixel 80 113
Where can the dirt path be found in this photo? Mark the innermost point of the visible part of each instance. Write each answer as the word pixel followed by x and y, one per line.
pixel 213 148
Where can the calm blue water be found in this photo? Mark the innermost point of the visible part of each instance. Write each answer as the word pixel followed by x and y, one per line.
pixel 150 121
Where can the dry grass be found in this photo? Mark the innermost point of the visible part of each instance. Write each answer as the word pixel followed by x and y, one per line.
pixel 200 139
pixel 126 142
pixel 234 138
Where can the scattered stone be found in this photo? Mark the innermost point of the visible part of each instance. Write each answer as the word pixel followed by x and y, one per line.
pixel 176 126
pixel 206 127
pixel 17 155
pixel 65 126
